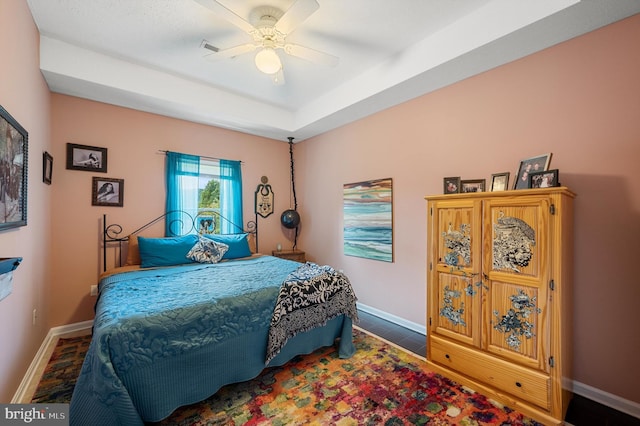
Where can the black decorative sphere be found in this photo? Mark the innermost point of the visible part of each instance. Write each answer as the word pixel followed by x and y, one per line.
pixel 290 219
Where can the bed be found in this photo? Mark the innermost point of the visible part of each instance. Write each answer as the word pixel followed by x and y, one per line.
pixel 165 336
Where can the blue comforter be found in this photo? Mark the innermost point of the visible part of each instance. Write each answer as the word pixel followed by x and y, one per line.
pixel 169 337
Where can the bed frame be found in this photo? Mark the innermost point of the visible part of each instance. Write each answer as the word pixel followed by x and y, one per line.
pixel 182 223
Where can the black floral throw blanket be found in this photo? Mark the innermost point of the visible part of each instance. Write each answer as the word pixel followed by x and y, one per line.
pixel 309 297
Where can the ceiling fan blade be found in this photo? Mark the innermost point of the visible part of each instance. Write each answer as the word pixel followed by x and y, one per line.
pixel 311 55
pixel 222 11
pixel 278 78
pixel 295 15
pixel 230 52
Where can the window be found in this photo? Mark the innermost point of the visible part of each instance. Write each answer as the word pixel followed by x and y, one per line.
pixel 209 196
pixel 198 185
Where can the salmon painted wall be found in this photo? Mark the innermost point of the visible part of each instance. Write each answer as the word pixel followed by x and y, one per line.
pixel 579 100
pixel 24 94
pixel 133 139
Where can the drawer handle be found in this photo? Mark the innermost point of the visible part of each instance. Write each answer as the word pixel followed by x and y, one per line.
pixel 518 384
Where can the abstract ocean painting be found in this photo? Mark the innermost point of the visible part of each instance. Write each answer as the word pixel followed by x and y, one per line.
pixel 368 219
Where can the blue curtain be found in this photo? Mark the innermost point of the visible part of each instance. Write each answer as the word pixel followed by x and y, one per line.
pixel 183 173
pixel 231 197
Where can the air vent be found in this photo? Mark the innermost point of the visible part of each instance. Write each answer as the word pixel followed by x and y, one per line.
pixel 208 46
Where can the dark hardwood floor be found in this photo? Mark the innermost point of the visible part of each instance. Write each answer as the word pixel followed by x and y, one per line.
pixel 581 412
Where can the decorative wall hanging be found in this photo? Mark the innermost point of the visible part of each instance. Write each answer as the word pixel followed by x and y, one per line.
pixel 47 167
pixel 264 198
pixel 107 192
pixel 512 243
pixel 14 149
pixel 368 219
pixel 290 218
pixel 531 165
pixel 86 158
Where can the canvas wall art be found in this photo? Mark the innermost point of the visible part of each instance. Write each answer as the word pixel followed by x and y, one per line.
pixel 14 149
pixel 368 219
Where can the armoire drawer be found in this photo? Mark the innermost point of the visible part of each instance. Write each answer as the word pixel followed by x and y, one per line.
pixel 531 386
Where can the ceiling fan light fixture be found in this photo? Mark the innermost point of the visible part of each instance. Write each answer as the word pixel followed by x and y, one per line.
pixel 267 61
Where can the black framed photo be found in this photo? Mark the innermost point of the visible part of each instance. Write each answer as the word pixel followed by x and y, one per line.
pixel 546 179
pixel 474 185
pixel 47 167
pixel 500 181
pixel 528 166
pixel 14 149
pixel 87 158
pixel 452 185
pixel 107 192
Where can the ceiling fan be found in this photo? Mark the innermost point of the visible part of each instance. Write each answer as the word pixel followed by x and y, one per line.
pixel 269 28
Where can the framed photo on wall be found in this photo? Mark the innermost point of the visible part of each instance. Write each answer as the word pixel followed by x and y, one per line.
pixel 86 158
pixel 14 150
pixel 500 181
pixel 47 167
pixel 107 192
pixel 528 166
pixel 475 185
pixel 452 185
pixel 546 179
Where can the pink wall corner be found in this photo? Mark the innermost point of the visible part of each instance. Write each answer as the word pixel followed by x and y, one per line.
pixel 24 94
pixel 579 100
pixel 133 140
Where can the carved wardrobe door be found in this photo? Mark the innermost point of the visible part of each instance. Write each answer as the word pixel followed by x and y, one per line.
pixel 457 300
pixel 516 272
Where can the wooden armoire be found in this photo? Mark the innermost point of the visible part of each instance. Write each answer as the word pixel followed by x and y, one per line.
pixel 499 295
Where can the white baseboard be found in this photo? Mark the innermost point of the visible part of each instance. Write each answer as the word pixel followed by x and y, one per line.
pixel 51 336
pixel 418 328
pixel 605 398
pixel 612 401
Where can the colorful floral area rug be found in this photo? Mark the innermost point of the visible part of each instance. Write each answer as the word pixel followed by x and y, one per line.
pixel 379 385
pixel 61 373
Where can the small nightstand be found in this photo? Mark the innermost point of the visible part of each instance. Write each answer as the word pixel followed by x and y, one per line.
pixel 296 255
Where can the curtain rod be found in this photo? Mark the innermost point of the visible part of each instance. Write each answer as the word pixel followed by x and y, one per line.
pixel 164 151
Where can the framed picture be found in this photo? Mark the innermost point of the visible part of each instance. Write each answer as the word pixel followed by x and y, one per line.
pixel 14 149
pixel 500 181
pixel 528 166
pixel 476 185
pixel 87 158
pixel 47 167
pixel 107 192
pixel 368 219
pixel 452 185
pixel 546 179
pixel 206 224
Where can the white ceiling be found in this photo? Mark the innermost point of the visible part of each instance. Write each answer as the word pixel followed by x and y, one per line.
pixel 147 55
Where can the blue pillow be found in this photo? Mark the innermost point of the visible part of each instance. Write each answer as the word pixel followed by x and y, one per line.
pixel 165 251
pixel 238 244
